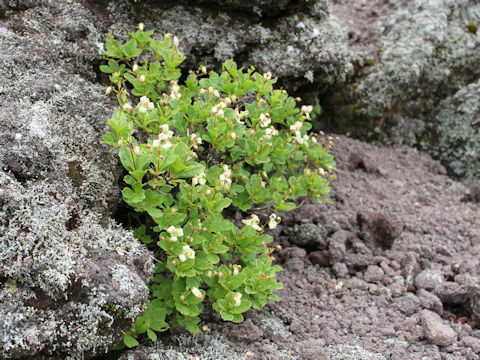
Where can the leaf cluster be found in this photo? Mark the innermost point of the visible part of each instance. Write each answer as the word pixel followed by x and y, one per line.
pixel 195 152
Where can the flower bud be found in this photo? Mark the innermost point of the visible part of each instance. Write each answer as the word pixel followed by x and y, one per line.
pixel 108 90
pixel 136 150
pixel 142 78
pixel 182 298
pixel 141 26
pixel 134 68
pixel 175 41
pixel 197 293
pixel 237 298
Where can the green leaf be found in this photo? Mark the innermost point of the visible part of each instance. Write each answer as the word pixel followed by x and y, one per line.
pixel 151 334
pixel 226 316
pixel 236 281
pixel 126 157
pixel 274 297
pixel 130 341
pixel 129 49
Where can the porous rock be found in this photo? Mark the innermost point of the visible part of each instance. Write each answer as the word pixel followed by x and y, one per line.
pixel 309 235
pixel 452 292
pixel 416 76
pixel 378 229
pixel 435 331
pixel 373 274
pixel 429 279
pixel 72 280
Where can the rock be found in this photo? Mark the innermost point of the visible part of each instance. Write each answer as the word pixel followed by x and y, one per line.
pixel 377 229
pixel 452 292
pixel 429 279
pixel 396 289
pixel 321 258
pixel 309 235
pixel 453 124
pixel 410 267
pixel 246 331
pixel 472 342
pixel 408 304
pixel 356 283
pixel 435 331
pixel 337 245
pixel 373 274
pixel 340 270
pixel 430 301
pixel 294 258
pixel 312 349
pixel 76 279
pixel 391 84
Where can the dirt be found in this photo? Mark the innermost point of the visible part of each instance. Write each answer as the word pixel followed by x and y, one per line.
pixel 393 214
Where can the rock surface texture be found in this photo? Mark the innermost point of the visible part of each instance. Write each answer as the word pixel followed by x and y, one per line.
pixel 416 76
pixel 71 279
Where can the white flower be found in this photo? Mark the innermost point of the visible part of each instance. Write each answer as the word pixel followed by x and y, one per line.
pixel 199 179
pixel 307 109
pixel 269 132
pixel 142 109
pixel 127 107
pixel 274 221
pixel 156 143
pixel 253 222
pixel 134 68
pixel 233 136
pixel 175 41
pixel 141 26
pixel 237 298
pixel 296 127
pixel 220 113
pixel 142 78
pixel 265 120
pixel 182 257
pixel 236 269
pixel 175 232
pixel 196 140
pixel 188 251
pixel 197 293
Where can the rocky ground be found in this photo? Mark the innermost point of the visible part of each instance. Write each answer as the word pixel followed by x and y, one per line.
pixel 389 270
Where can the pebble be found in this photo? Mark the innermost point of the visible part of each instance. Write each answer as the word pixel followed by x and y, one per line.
pixel 408 304
pixel 435 331
pixel 429 279
pixel 340 269
pixel 430 301
pixel 472 342
pixel 373 274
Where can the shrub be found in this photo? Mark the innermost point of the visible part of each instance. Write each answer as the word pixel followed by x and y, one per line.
pixel 195 153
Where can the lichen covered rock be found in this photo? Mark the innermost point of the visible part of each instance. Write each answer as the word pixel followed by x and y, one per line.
pixel 71 279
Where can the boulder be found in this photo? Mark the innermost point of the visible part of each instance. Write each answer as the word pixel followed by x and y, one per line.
pixel 71 279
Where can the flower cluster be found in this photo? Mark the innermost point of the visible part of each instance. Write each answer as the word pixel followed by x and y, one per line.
pixel 164 138
pixel 253 222
pixel 175 233
pixel 187 253
pixel 175 93
pixel 224 180
pixel 145 104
